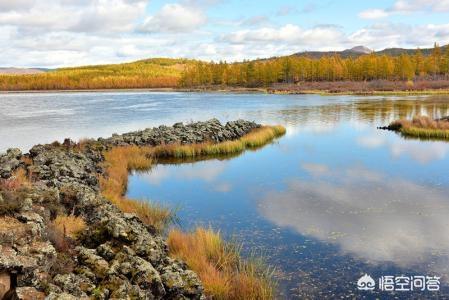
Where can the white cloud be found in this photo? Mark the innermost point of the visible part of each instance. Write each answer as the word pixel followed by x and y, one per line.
pixel 71 15
pixel 385 35
pixel 373 14
pixel 291 34
pixel 7 5
pixel 406 6
pixel 174 18
pixel 420 5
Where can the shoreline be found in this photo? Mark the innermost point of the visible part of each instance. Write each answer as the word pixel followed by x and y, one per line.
pixel 241 91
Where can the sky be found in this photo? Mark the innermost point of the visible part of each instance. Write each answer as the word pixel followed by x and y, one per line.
pixel 57 33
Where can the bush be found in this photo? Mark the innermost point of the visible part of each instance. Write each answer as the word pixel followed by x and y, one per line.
pixel 10 203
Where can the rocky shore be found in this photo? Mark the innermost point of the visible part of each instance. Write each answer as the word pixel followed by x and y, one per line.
pixel 116 256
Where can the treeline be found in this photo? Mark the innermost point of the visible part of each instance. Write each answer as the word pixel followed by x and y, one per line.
pixel 152 73
pixel 292 69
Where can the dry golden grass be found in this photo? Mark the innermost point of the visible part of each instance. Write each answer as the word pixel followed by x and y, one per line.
pixel 70 226
pixel 28 161
pixel 119 161
pixel 423 127
pixel 256 138
pixel 19 180
pixel 21 175
pixel 219 265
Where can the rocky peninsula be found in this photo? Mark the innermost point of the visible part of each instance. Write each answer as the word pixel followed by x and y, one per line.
pixel 115 255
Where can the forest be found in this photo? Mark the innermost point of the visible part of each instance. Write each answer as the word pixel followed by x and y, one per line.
pixel 294 69
pixel 395 72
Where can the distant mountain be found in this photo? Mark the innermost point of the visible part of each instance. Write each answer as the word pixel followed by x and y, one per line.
pixel 21 71
pixel 359 49
pixel 362 50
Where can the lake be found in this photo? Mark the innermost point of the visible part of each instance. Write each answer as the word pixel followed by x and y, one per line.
pixel 332 200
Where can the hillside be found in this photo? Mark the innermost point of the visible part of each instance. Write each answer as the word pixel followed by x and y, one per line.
pixel 149 73
pixel 21 71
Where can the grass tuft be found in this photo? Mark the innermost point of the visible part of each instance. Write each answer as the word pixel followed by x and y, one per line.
pixel 422 127
pixel 220 267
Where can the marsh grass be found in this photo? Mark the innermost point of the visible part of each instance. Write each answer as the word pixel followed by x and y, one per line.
pixel 225 275
pixel 423 127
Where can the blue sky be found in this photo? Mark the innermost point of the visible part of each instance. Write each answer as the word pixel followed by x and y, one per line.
pixel 39 33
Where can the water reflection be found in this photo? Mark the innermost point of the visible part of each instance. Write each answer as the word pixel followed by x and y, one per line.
pixel 368 214
pixel 423 152
pixel 203 171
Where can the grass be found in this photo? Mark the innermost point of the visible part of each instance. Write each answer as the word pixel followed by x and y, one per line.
pixel 119 161
pixel 423 127
pixel 220 267
pixel 70 226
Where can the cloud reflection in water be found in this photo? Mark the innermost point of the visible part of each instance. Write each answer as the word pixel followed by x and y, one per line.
pixel 376 218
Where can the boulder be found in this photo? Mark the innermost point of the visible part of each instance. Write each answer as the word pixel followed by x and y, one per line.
pixel 9 162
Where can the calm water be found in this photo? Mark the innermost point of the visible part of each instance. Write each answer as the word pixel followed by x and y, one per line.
pixel 330 201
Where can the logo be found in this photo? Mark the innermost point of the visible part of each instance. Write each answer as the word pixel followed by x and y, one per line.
pixel 366 283
pixel 400 283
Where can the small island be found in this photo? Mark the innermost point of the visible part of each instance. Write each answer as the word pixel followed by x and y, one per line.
pixel 422 127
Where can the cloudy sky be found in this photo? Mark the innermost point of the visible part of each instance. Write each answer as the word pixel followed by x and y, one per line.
pixel 44 33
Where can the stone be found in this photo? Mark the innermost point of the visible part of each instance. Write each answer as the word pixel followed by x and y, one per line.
pixel 9 162
pixel 29 293
pixel 91 259
pixel 74 285
pixel 5 283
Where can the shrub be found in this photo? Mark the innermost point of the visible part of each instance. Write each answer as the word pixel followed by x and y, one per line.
pixel 10 203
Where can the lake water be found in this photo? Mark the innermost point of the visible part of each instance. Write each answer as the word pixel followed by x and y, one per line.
pixel 333 199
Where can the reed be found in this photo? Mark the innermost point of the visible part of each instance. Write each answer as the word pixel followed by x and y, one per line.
pixel 225 275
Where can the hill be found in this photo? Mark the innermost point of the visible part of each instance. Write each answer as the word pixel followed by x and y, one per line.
pixel 149 73
pixel 21 71
pixel 362 50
